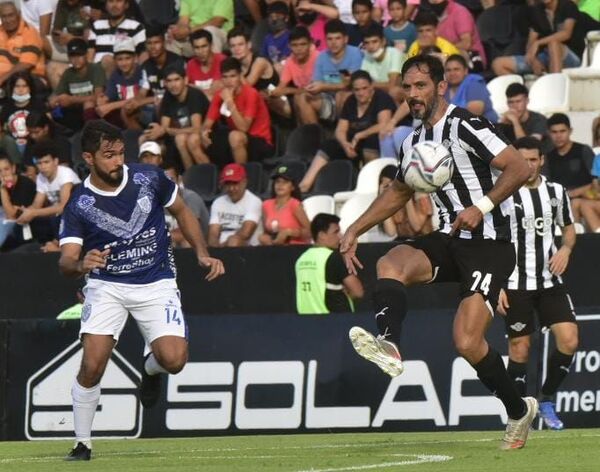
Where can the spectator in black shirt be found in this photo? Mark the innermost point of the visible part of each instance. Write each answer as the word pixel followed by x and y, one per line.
pixel 16 191
pixel 363 115
pixel 181 113
pixel 569 163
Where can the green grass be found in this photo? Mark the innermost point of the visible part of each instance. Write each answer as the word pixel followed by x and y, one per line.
pixel 567 451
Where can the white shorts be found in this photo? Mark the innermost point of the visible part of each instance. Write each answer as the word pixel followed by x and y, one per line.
pixel 156 308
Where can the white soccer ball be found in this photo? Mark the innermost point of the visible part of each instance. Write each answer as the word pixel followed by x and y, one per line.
pixel 427 167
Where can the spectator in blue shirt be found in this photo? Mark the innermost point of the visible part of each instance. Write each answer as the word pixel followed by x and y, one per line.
pixel 324 96
pixel 276 45
pixel 467 90
pixel 399 32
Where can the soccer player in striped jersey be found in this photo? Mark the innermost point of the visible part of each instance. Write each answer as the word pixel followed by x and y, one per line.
pixel 535 284
pixel 472 247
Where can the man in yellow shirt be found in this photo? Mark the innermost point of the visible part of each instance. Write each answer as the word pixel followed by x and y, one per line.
pixel 427 37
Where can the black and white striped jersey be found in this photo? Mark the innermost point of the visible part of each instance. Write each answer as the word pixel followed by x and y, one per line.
pixel 473 142
pixel 103 36
pixel 537 213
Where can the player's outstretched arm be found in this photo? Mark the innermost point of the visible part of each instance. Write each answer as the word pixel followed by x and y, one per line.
pixel 515 173
pixel 385 205
pixel 70 265
pixel 190 227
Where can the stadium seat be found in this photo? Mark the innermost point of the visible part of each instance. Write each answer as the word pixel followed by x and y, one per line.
pixel 202 179
pixel 352 209
pixel 596 150
pixel 497 88
pixel 550 94
pixel 368 179
pixel 595 62
pixel 318 204
pixel 336 176
pixel 255 173
pixel 303 143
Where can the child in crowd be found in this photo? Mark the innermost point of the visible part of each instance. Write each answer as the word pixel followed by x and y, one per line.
pixel 399 33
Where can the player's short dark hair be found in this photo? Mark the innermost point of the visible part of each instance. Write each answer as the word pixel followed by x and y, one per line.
pixel 559 119
pixel 458 58
pixel 426 18
pixel 434 66
pixel 401 2
pixel 154 30
pixel 374 29
pixel 96 131
pixel 322 222
pixel 45 147
pixel 360 74
pixel 174 68
pixel 231 63
pixel 37 119
pixel 515 89
pixel 238 31
pixel 363 3
pixel 299 32
pixel 199 34
pixel 335 26
pixel 529 142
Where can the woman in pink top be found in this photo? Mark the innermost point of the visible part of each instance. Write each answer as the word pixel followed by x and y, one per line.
pixel 284 219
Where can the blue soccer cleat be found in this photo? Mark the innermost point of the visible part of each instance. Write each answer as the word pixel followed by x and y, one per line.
pixel 548 414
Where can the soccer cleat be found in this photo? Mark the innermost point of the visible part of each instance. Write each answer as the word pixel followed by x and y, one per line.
pixel 548 414
pixel 516 432
pixel 149 388
pixel 377 350
pixel 79 453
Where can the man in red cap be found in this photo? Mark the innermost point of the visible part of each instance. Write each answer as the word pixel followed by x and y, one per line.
pixel 234 216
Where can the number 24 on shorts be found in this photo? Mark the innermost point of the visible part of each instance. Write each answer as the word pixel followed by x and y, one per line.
pixel 173 315
pixel 481 283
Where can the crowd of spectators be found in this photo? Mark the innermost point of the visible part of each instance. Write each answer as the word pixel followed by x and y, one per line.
pixel 222 81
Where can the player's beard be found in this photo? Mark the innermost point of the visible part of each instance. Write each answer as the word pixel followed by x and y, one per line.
pixel 427 111
pixel 113 178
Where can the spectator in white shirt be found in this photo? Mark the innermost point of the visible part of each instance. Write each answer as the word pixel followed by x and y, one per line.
pixel 234 217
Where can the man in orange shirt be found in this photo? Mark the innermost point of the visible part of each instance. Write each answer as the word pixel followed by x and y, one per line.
pixel 20 45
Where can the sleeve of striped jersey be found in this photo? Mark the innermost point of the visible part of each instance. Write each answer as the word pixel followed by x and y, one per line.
pixel 139 38
pixel 481 137
pixel 564 215
pixel 92 38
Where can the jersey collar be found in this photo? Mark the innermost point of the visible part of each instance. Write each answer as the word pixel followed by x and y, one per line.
pixel 88 184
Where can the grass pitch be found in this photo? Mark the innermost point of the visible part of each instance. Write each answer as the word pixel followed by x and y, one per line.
pixel 566 451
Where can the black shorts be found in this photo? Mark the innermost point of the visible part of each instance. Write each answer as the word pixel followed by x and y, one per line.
pixel 220 150
pixel 479 265
pixel 552 305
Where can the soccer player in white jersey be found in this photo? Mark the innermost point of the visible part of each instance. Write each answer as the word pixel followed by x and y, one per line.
pixel 472 247
pixel 536 284
pixel 115 219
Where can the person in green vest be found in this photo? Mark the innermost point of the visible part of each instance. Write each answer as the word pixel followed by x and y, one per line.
pixel 323 284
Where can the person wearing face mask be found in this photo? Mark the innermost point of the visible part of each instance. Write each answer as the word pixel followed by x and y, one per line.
pixel 275 46
pixel 21 102
pixel 456 24
pixel 382 63
pixel 314 15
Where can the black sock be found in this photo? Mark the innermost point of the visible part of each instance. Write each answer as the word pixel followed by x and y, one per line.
pixel 517 371
pixel 390 308
pixel 492 373
pixel 558 368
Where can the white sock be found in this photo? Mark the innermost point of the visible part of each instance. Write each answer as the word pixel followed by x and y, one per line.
pixel 152 367
pixel 85 402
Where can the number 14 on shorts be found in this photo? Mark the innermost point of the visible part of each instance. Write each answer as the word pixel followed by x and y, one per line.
pixel 173 314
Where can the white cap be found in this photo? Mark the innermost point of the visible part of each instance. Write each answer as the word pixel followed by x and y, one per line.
pixel 151 147
pixel 124 45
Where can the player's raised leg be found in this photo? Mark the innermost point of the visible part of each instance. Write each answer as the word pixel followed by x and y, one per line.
pixel 86 392
pixel 400 267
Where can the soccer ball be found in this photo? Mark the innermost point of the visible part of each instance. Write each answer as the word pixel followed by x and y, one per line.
pixel 427 167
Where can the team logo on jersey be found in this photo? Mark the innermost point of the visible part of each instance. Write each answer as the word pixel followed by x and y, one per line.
pixel 518 327
pixel 145 204
pixel 554 202
pixel 447 143
pixel 85 201
pixel 86 311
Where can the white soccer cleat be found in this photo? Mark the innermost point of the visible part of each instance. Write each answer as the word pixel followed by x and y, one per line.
pixel 383 353
pixel 516 432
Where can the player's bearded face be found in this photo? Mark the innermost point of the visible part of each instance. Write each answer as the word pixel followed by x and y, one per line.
pixel 109 166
